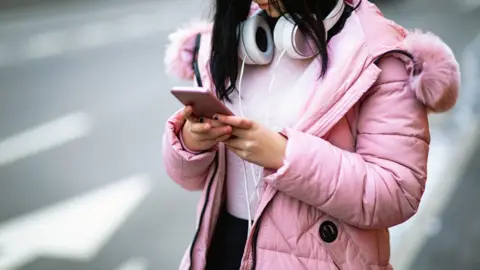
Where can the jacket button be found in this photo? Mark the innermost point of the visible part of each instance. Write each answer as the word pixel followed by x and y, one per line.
pixel 328 231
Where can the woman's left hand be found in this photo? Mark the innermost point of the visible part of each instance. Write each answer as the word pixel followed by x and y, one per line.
pixel 255 143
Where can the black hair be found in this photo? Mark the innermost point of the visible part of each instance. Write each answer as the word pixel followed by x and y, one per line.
pixel 229 14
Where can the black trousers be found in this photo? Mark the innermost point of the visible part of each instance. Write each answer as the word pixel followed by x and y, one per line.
pixel 228 243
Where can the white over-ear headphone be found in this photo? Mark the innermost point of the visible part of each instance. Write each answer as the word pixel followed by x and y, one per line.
pixel 286 37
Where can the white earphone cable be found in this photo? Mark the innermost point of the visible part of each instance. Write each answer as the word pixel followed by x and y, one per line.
pixel 257 178
pixel 240 79
pixel 247 194
pixel 270 88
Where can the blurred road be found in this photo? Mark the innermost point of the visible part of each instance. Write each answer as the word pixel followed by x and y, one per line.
pixel 455 242
pixel 90 77
pixel 83 101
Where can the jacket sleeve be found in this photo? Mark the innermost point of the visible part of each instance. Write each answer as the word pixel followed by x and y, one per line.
pixel 381 183
pixel 186 168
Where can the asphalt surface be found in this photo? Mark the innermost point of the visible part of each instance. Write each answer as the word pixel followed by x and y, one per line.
pixel 105 61
pixel 456 244
pixel 96 67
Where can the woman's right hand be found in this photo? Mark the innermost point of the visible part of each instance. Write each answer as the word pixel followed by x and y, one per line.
pixel 201 134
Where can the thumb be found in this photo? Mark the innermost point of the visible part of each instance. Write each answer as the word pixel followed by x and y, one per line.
pixel 187 114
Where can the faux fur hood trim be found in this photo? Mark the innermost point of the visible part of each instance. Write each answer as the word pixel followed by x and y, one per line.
pixel 436 74
pixel 179 53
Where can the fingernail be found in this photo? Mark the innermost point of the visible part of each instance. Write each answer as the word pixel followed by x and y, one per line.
pixel 201 120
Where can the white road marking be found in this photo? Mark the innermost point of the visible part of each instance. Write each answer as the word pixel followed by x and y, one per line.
pixel 32 18
pixel 470 69
pixel 45 45
pixel 3 55
pixel 102 28
pixel 134 264
pixel 434 227
pixel 45 137
pixel 468 100
pixel 74 229
pixel 138 26
pixel 94 35
pixel 470 4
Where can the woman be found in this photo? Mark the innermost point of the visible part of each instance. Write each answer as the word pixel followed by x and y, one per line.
pixel 338 132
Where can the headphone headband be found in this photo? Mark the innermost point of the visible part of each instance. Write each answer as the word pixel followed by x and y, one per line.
pixel 334 15
pixel 287 36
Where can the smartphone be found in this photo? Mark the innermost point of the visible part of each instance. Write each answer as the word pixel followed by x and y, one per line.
pixel 203 101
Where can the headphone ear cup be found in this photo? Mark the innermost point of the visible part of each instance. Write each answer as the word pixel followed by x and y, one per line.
pixel 255 41
pixel 289 37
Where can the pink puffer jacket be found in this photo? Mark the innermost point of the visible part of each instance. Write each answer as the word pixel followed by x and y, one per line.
pixel 356 163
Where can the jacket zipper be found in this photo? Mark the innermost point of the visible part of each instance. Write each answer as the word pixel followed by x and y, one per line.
pixel 207 196
pixel 255 237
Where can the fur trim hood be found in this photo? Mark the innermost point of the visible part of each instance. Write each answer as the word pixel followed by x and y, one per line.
pixel 436 73
pixel 180 48
pixel 435 76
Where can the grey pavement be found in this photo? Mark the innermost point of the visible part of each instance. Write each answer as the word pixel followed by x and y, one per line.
pixel 121 86
pixel 104 61
pixel 456 243
pixel 419 243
